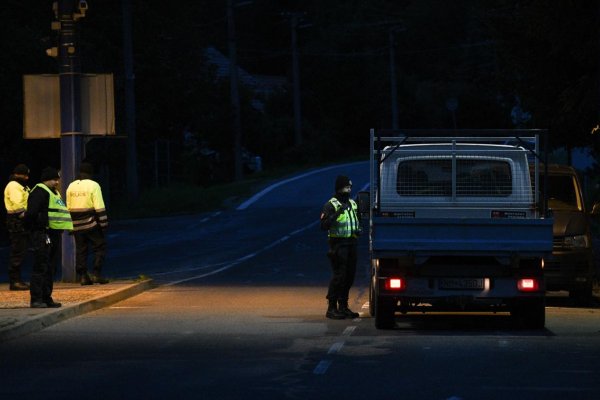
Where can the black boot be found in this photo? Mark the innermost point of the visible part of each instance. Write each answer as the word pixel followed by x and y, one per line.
pixel 97 278
pixel 332 311
pixel 343 309
pixel 85 279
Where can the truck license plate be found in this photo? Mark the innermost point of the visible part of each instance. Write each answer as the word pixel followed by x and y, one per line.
pixel 461 283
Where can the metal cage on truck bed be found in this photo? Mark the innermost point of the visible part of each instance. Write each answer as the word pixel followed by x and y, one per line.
pixel 458 173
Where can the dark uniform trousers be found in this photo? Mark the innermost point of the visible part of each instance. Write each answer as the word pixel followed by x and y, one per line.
pixel 45 249
pixel 343 257
pixel 19 238
pixel 94 238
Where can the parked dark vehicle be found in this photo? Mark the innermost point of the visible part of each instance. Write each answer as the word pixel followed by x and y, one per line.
pixel 572 265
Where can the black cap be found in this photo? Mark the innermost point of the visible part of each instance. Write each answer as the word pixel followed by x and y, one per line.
pixel 341 182
pixel 86 168
pixel 49 174
pixel 21 169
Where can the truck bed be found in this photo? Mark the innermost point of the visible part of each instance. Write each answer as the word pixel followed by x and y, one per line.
pixel 393 237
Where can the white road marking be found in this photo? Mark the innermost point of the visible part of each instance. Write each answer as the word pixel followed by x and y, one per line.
pixel 348 331
pixel 266 190
pixel 241 259
pixel 322 367
pixel 335 348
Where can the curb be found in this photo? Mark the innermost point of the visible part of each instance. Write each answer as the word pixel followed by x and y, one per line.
pixel 45 320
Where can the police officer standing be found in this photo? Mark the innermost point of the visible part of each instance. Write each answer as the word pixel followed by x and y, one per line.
pixel 46 217
pixel 340 218
pixel 15 200
pixel 85 202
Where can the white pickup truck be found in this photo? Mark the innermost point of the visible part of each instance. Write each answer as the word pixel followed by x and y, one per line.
pixel 456 223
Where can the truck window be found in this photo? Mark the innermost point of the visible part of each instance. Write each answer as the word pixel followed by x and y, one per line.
pixel 474 178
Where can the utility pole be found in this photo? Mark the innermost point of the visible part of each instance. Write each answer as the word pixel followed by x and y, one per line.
pixel 234 95
pixel 132 177
pixel 71 149
pixel 296 78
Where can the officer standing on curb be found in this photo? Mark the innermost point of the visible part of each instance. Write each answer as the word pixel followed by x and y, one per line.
pixel 46 217
pixel 340 218
pixel 84 201
pixel 15 201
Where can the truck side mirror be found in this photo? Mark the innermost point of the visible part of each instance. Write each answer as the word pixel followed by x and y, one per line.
pixel 364 204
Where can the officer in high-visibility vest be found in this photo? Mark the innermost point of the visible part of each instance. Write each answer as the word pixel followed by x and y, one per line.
pixel 46 217
pixel 15 201
pixel 340 218
pixel 84 201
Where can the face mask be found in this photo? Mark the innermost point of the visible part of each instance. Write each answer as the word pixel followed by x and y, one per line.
pixel 343 196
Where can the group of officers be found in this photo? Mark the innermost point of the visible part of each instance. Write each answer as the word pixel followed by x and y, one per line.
pixel 36 219
pixel 40 216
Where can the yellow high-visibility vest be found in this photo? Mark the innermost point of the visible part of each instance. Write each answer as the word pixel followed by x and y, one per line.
pixel 58 215
pixel 85 202
pixel 346 225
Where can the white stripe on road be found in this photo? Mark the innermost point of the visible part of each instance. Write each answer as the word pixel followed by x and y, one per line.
pixel 348 331
pixel 246 257
pixel 322 367
pixel 335 348
pixel 266 190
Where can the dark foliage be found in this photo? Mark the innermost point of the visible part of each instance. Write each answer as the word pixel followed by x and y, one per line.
pixel 481 54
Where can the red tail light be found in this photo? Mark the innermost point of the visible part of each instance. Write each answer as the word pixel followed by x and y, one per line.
pixel 395 284
pixel 528 285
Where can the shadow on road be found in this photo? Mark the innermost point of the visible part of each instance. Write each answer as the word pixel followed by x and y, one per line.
pixel 562 299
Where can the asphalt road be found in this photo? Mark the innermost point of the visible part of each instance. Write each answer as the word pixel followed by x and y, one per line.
pixel 240 312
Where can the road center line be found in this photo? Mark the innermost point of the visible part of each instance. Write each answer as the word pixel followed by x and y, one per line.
pixel 335 348
pixel 246 257
pixel 266 190
pixel 348 331
pixel 322 367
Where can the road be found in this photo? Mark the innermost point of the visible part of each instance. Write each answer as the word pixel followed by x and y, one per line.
pixel 239 314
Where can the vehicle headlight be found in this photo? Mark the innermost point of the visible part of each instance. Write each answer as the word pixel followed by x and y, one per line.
pixel 577 241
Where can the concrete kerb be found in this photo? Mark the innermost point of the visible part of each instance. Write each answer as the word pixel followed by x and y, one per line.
pixel 41 321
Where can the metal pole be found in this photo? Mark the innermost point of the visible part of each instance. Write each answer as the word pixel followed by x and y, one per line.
pixel 296 79
pixel 393 83
pixel 70 118
pixel 132 176
pixel 234 94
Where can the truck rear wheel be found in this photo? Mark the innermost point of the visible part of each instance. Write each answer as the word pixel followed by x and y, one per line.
pixel 384 313
pixel 529 313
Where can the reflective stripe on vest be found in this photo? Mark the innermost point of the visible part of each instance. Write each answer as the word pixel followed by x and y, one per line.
pixel 346 225
pixel 58 215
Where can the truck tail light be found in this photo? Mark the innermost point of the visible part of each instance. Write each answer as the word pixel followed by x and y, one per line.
pixel 528 285
pixel 395 284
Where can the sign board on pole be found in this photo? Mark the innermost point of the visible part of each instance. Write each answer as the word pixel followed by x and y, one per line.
pixel 41 117
pixel 41 108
